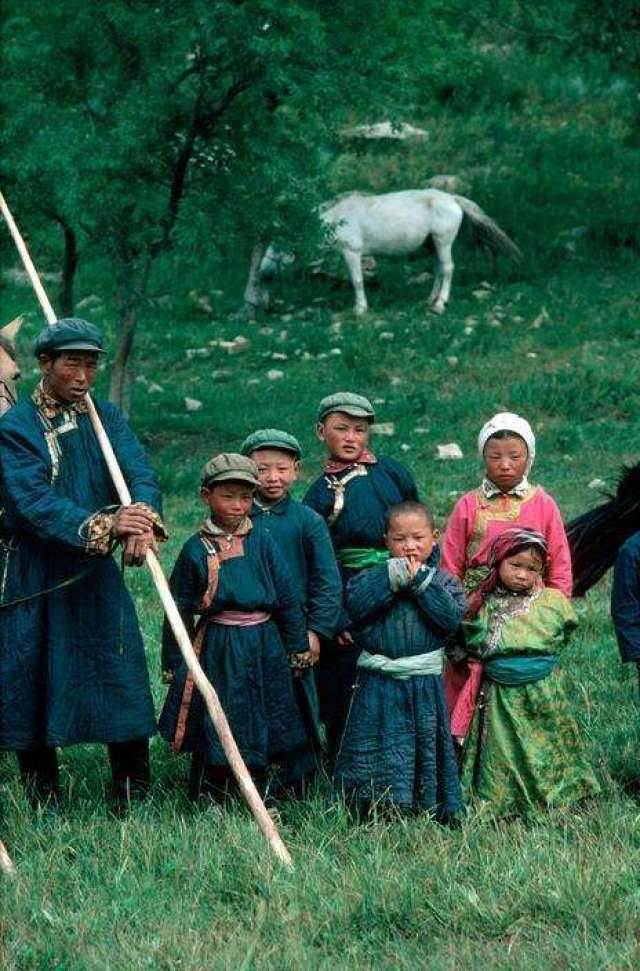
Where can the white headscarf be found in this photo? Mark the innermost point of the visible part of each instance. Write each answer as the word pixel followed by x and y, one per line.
pixel 507 421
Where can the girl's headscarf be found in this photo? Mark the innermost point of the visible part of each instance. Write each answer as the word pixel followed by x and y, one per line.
pixel 507 421
pixel 507 543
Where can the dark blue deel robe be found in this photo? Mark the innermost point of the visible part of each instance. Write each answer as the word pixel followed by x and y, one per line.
pixel 248 666
pixel 72 663
pixel 397 744
pixel 625 599
pixel 360 524
pixel 302 536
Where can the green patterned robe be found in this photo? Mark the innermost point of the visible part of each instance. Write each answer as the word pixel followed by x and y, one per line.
pixel 524 750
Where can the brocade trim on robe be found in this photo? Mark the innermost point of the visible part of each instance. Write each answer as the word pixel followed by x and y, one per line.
pixel 501 508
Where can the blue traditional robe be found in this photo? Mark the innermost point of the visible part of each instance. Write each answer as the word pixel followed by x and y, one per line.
pixel 361 523
pixel 397 744
pixel 248 666
pixel 625 599
pixel 72 663
pixel 303 537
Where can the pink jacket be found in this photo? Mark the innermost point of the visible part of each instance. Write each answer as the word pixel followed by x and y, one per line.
pixel 476 520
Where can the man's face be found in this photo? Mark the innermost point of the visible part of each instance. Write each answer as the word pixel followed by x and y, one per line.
pixel 69 376
pixel 346 437
pixel 277 471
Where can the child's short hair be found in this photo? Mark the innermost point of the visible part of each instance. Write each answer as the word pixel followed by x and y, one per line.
pixel 408 507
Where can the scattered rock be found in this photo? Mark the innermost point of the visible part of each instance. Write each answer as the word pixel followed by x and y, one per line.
pixel 253 381
pixel 395 380
pixel 192 352
pixel 335 350
pixel 192 404
pixel 452 360
pixel 154 388
pixel 278 356
pixel 531 354
pixel 90 301
pixel 542 318
pixel 285 318
pixel 450 451
pixel 265 331
pixel 218 374
pixel 421 430
pixel 283 335
pixel 386 335
pixel 597 484
pixel 468 331
pixel 396 131
pixel 405 447
pixel 274 375
pixel 237 345
pixel 447 183
pixel 481 294
pixel 379 401
pixel 384 428
pixel 419 279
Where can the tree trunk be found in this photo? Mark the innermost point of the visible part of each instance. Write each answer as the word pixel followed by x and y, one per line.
pixel 128 297
pixel 69 267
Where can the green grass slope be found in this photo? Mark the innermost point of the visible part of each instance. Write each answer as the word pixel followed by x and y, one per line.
pixel 171 887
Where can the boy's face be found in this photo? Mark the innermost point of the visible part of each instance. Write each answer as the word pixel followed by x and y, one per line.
pixel 506 460
pixel 277 471
pixel 346 437
pixel 521 571
pixel 228 501
pixel 411 535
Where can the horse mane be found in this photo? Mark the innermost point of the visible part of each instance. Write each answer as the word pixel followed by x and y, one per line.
pixel 595 537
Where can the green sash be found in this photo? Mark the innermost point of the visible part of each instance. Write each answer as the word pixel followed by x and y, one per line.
pixel 360 557
pixel 403 668
pixel 514 671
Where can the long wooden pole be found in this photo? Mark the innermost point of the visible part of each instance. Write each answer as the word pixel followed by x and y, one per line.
pixel 217 715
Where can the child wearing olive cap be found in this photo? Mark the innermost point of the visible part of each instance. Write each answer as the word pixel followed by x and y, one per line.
pixel 353 495
pixel 250 628
pixel 304 540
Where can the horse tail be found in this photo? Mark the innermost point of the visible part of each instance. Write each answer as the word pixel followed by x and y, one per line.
pixel 495 237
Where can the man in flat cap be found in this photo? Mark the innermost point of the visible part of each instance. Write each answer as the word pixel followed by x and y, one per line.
pixel 72 663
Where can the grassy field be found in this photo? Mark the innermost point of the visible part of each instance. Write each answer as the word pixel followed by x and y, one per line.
pixel 171 887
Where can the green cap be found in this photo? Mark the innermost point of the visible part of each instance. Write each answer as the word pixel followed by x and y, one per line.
pixel 229 466
pixel 69 334
pixel 271 438
pixel 355 405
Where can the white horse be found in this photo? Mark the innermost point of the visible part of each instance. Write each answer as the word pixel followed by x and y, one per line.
pixel 393 224
pixel 9 367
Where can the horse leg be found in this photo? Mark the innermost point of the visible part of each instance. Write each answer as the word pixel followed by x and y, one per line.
pixel 254 292
pixel 353 259
pixel 444 273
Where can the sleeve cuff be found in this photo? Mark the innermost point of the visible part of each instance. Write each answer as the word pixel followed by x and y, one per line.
pixel 97 530
pixel 301 660
pixel 398 574
pixel 159 529
pixel 423 579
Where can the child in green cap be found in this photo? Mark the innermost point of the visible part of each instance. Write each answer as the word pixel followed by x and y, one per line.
pixel 250 627
pixel 303 537
pixel 353 496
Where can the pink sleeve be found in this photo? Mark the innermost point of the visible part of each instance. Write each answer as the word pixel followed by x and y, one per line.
pixel 456 538
pixel 560 572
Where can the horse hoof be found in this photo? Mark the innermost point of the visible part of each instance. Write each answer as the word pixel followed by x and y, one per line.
pixel 360 311
pixel 437 308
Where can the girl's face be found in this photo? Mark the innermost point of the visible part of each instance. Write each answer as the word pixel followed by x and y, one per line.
pixel 522 571
pixel 346 437
pixel 411 535
pixel 277 471
pixel 506 460
pixel 229 502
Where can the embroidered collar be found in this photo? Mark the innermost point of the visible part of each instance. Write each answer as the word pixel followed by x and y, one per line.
pixel 490 490
pixel 212 531
pixel 51 408
pixel 334 467
pixel 279 507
